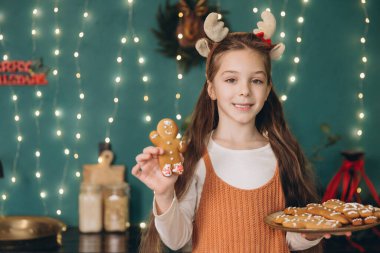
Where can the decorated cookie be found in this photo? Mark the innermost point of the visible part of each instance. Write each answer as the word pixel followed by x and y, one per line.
pixel 165 137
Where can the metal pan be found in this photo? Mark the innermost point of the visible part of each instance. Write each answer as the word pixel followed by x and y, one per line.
pixel 30 233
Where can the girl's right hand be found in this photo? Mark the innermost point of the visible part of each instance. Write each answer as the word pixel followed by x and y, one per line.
pixel 148 171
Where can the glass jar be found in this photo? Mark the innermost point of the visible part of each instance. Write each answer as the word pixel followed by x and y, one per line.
pixel 116 201
pixel 90 208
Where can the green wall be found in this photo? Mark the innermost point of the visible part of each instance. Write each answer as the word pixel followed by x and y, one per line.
pixel 325 90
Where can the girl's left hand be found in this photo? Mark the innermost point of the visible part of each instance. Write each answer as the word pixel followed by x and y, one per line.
pixel 312 236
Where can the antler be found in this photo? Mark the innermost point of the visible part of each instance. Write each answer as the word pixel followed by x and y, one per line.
pixel 267 26
pixel 214 28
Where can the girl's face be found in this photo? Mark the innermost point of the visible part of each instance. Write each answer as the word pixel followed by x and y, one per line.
pixel 240 86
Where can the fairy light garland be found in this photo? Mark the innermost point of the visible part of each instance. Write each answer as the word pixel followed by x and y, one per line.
pixel 358 132
pixel 19 138
pixel 57 110
pixel 61 191
pixel 292 79
pixel 36 13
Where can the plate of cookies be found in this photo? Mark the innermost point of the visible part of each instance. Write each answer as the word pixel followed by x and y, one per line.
pixel 332 216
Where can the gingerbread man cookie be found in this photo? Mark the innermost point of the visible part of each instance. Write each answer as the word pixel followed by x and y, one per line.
pixel 165 137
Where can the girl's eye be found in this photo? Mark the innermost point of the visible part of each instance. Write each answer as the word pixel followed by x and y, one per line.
pixel 231 80
pixel 257 81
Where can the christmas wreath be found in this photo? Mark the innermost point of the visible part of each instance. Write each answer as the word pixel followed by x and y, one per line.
pixel 180 25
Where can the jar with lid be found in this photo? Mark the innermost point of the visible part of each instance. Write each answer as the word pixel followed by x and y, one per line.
pixel 116 201
pixel 90 208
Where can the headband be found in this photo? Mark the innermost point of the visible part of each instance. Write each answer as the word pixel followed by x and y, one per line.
pixel 216 32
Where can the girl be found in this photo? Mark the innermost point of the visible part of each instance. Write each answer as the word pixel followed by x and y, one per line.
pixel 242 162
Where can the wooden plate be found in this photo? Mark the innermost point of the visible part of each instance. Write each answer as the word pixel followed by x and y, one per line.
pixel 346 228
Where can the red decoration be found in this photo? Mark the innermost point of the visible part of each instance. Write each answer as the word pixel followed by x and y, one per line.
pixel 261 36
pixel 20 73
pixel 350 174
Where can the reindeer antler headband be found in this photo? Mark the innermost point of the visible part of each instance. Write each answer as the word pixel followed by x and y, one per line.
pixel 216 31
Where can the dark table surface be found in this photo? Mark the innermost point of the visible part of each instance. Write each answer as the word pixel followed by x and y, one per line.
pixel 73 241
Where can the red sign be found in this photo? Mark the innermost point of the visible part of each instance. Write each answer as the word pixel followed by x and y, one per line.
pixel 20 73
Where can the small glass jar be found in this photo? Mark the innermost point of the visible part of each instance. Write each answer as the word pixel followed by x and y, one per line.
pixel 116 201
pixel 90 208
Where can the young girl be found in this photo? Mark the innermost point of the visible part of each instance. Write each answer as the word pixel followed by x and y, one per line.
pixel 242 162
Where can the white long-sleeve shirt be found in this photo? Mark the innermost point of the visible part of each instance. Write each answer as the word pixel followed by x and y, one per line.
pixel 251 169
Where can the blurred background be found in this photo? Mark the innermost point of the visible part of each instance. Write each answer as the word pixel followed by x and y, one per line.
pixel 115 68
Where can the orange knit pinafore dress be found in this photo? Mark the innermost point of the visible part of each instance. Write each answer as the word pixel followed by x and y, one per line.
pixel 231 220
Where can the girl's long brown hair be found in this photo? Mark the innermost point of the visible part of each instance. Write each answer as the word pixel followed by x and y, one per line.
pixel 296 177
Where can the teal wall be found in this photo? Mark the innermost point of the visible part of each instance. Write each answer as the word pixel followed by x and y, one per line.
pixel 325 90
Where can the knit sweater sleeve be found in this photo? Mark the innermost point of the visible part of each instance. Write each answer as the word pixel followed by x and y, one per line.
pixel 175 226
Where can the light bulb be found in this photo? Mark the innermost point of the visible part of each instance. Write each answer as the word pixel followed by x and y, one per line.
pixel 117 79
pixel 136 39
pixel 299 39
pixel 146 98
pixel 38 93
pixel 13 179
pixel 148 118
pixel 43 194
pixel 296 59
pixel 57 113
pixel 361 115
pixel 300 20
pixel 76 54
pixel 360 95
pixel 179 57
pixel 76 156
pixel 1 36
pixel 267 9
pixel 77 174
pixel 284 97
pixel 81 34
pixel 4 196
pixel 292 79
pixel 362 75
pixel 255 10
pixel 177 95
pixel 178 116
pixel 367 20
pixel 107 140
pixel 282 35
pixel 57 31
pixel 141 60
pixel 38 153
pixel 110 120
pixel 81 96
pixel 179 76
pixel 123 40
pixel 38 174
pixel 61 191
pixel 34 32
pixel 35 11
pixel 59 132
pixel 37 113
pixel 59 212
pixel 119 59
pixel 180 14
pixel 77 75
pixel 364 59
pixel 14 97
pixel 5 57
pixel 17 118
pixel 143 225
pixel 55 9
pixel 85 14
pixel 79 116
pixel 77 135
pixel 359 132
pixel 19 138
pixel 362 40
pixel 145 78
pixel 66 151
pixel 55 72
pixel 115 100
